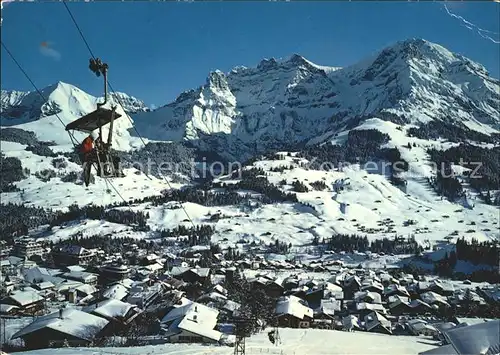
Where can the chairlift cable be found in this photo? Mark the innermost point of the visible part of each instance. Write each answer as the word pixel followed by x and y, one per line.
pixel 73 139
pixel 33 84
pixel 119 101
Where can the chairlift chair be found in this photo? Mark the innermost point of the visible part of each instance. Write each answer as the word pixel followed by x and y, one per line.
pixel 96 120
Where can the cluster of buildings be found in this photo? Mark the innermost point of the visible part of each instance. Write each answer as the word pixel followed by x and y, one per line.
pixel 140 293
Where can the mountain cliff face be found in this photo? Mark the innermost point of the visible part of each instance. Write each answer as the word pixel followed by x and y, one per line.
pixel 294 100
pixel 28 110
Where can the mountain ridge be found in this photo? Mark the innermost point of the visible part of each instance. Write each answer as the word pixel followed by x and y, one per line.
pixel 292 100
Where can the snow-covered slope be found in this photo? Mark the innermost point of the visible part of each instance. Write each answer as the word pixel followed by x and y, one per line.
pixel 280 102
pixel 29 111
pixel 293 342
pixel 294 100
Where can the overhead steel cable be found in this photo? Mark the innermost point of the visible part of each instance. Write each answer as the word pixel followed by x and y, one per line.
pixel 117 97
pixel 4 46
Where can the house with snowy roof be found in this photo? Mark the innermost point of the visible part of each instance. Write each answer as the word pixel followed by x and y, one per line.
pixel 191 275
pixel 118 313
pixel 434 299
pixel 293 312
pixel 81 276
pixel 191 322
pixel 375 322
pixel 28 300
pixel 66 255
pixel 71 326
pixel 324 314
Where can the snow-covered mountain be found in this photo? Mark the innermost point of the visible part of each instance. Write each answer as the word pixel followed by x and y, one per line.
pixel 275 105
pixel 29 111
pixel 294 100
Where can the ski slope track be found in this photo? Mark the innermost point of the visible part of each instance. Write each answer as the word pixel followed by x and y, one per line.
pixel 249 111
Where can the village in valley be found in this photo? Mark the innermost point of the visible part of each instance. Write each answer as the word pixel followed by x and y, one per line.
pixel 71 296
pixel 284 208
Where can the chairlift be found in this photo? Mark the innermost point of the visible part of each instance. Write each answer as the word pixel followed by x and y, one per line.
pixel 106 163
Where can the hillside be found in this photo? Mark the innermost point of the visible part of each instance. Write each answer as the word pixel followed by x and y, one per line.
pixel 411 97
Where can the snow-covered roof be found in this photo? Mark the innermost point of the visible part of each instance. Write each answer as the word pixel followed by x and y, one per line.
pixel 231 306
pixel 6 308
pixel 472 321
pixel 4 262
pixel 395 288
pixel 117 291
pixel 294 306
pixel 220 289
pixel 44 285
pixel 370 283
pixel 73 322
pixel 432 297
pixel 441 350
pixel 362 295
pixel 110 308
pixel 189 308
pixel 26 297
pixel 481 338
pixel 195 318
pixel 370 306
pixel 80 275
pixel 73 249
pixel 212 296
pixel 75 268
pixel 375 318
pixel 328 307
pixel 38 273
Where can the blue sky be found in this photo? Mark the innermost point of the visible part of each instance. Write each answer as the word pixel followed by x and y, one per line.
pixel 156 50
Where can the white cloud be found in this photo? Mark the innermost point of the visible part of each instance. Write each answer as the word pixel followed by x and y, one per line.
pixel 50 52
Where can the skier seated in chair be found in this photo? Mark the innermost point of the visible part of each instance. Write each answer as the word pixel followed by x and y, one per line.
pixel 88 148
pixel 94 150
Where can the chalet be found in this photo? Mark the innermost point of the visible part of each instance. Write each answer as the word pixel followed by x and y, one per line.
pixel 352 284
pixel 43 286
pixel 192 322
pixel 28 301
pixel 118 313
pixel 395 289
pixel 6 284
pixel 324 314
pixel 213 296
pixel 375 322
pixel 437 286
pixel 144 296
pixel 434 299
pixel 75 327
pixel 290 283
pixel 371 285
pixel 71 255
pixel 421 327
pixel 293 312
pixel 191 275
pixel 39 274
pixel 81 276
pixel 116 291
pixel 351 322
pixel 368 297
pixel 8 309
pixel 364 308
pixel 387 279
pixel 274 289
